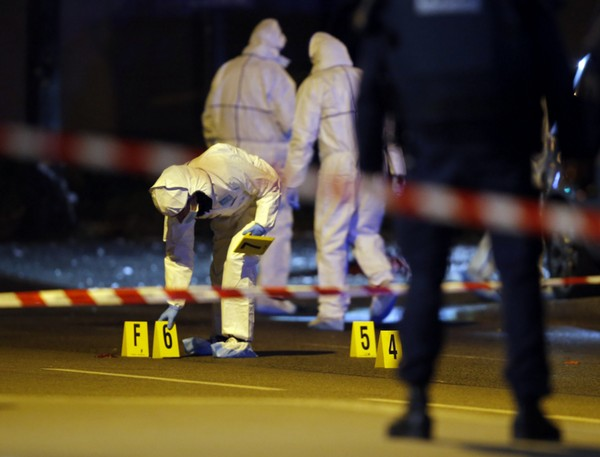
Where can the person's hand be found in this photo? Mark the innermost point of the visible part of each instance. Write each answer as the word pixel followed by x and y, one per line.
pixel 255 230
pixel 398 184
pixel 292 197
pixel 580 173
pixel 169 315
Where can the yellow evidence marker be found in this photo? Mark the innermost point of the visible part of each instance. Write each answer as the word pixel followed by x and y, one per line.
pixel 254 245
pixel 165 343
pixel 135 339
pixel 362 341
pixel 389 349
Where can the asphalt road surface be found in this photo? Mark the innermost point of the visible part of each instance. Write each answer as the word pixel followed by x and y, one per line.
pixel 66 390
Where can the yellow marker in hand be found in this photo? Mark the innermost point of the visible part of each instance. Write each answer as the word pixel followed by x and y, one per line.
pixel 254 245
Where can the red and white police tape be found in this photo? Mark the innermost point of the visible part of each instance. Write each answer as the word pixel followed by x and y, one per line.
pixel 91 151
pixel 208 294
pixel 496 211
pixel 437 203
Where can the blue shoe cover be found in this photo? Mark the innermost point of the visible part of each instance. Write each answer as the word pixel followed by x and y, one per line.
pixel 320 323
pixel 381 307
pixel 196 346
pixel 232 349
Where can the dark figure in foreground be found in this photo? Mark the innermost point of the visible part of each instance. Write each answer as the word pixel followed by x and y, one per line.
pixel 466 80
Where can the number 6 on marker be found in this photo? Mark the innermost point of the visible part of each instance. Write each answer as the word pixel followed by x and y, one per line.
pixel 165 344
pixel 168 339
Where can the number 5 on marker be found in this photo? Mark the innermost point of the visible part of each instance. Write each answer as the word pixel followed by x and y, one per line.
pixel 362 341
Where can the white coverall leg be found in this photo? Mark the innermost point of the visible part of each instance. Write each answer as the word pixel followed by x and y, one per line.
pixel 275 263
pixel 482 266
pixel 274 267
pixel 232 270
pixel 369 246
pixel 335 206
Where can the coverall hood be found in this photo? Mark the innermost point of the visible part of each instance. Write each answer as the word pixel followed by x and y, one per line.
pixel 267 40
pixel 175 185
pixel 326 51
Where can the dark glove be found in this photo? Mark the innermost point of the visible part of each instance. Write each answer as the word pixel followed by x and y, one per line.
pixel 255 230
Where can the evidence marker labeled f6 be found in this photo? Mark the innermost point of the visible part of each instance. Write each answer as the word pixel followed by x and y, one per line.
pixel 165 343
pixel 135 339
pixel 362 340
pixel 389 349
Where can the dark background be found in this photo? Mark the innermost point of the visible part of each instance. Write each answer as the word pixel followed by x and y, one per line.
pixel 140 70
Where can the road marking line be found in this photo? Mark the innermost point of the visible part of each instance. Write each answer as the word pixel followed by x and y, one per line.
pixel 321 345
pixel 506 412
pixel 346 405
pixel 473 357
pixel 156 378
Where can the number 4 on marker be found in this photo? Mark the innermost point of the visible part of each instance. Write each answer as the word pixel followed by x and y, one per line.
pixel 389 349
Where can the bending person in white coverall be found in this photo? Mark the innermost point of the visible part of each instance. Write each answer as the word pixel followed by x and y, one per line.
pixel 347 212
pixel 239 193
pixel 251 105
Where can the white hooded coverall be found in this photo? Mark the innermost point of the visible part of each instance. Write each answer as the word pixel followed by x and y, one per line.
pixel 244 190
pixel 251 105
pixel 347 213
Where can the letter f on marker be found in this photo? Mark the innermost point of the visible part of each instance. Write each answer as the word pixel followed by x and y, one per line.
pixel 136 333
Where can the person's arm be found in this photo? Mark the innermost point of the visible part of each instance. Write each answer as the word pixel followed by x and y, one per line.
pixel 209 117
pixel 577 155
pixel 284 98
pixel 179 257
pixel 263 183
pixel 307 119
pixel 396 167
pixel 557 80
pixel 372 105
pixel 179 261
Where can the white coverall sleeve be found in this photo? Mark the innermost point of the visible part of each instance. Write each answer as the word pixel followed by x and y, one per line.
pixel 285 103
pixel 307 119
pixel 395 160
pixel 208 116
pixel 179 258
pixel 268 195
pixel 262 182
pixel 267 203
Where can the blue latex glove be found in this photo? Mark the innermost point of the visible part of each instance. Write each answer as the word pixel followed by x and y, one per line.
pixel 256 230
pixel 169 315
pixel 293 199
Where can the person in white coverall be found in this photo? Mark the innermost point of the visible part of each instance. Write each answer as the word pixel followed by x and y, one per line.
pixel 239 193
pixel 251 105
pixel 348 211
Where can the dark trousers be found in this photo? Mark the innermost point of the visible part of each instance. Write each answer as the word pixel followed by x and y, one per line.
pixel 421 332
pixel 426 247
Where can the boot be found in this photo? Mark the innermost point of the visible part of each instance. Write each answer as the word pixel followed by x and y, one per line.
pixel 416 422
pixel 530 424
